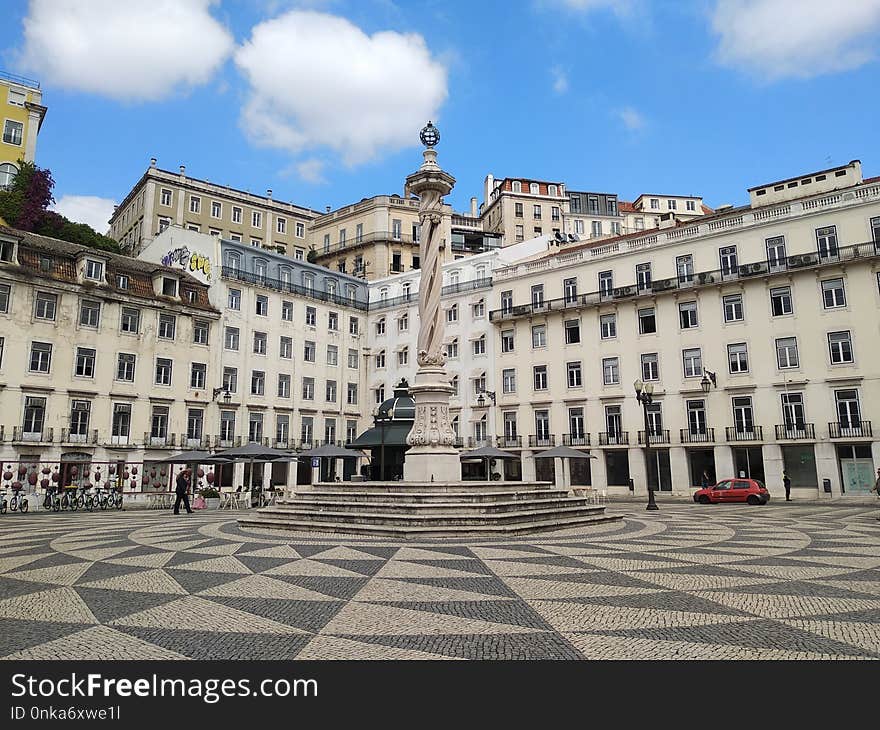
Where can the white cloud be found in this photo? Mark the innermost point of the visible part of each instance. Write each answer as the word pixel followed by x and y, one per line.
pixel 311 170
pixel 560 80
pixel 317 80
pixel 777 39
pixel 131 50
pixel 86 209
pixel 632 119
pixel 620 7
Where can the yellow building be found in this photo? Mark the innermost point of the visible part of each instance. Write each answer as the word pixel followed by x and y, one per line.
pixel 22 116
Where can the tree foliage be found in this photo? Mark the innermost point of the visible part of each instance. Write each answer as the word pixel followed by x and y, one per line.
pixel 25 205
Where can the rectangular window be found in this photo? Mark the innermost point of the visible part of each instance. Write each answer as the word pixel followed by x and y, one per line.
pixel 540 377
pixel 195 421
pixel 570 290
pixel 282 428
pixel 647 321
pixel 256 219
pixel 693 362
pixel 849 413
pixel 507 341
pixel 216 209
pixel 351 395
pixel 130 321
pixel 330 391
pixel 41 357
pixel 780 301
pixel 309 351
pixel 201 329
pixel 696 416
pixel 167 326
pixel 255 427
pixel 258 382
pixel 163 371
pixel 34 415
pixel 300 230
pixel 743 416
pixel 738 358
pixel 236 215
pixel 727 256
pixel 536 212
pixel 479 345
pixel 260 343
pixel 230 380
pixel 542 425
pixel 684 267
pixel 89 313
pixel 733 308
pixel 506 302
pixel 613 422
pixel 125 367
pixel 687 315
pixel 94 270
pixel 576 423
pixel 165 197
pixel 333 321
pixel 353 326
pixel 538 295
pixel 85 362
pixel 826 242
pixel 508 380
pixel 650 366
pixel 776 260
pixel 45 306
pixel 230 338
pixel 452 349
pixel 787 352
pixel 518 210
pixel 840 347
pixel 234 299
pixel 643 276
pixel 227 425
pixel 262 303
pixel 308 389
pixel 575 376
pixel 169 286
pixel 281 225
pixel 610 370
pixel 380 359
pixel 353 359
pixel 606 283
pixel 793 412
pixel 198 376
pixel 332 355
pixel 608 326
pixel 572 331
pixel 539 335
pixel 80 410
pixel 452 313
pixel 284 386
pixel 5 291
pixel 833 293
pixel 12 132
pixel 311 316
pixel 195 204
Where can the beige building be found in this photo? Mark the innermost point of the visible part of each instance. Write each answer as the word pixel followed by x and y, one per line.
pixel 103 359
pixel 777 299
pixel 22 114
pixel 519 209
pixel 374 238
pixel 162 198
pixel 660 211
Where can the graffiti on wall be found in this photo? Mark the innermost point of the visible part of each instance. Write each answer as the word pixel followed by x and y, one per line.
pixel 188 261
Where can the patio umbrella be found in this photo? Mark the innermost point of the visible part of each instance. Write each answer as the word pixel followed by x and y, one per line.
pixel 563 452
pixel 487 453
pixel 193 456
pixel 255 452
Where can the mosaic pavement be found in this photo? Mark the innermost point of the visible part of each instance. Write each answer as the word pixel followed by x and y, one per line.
pixel 689 582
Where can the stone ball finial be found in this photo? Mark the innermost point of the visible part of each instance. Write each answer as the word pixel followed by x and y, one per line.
pixel 430 135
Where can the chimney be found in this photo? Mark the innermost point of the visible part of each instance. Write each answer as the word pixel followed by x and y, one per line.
pixel 183 170
pixel 474 208
pixel 152 162
pixel 489 187
pixel 269 193
pixel 328 209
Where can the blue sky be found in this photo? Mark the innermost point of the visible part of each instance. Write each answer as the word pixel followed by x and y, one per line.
pixel 324 100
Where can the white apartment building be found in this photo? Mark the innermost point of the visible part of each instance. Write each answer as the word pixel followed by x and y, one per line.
pixel 778 299
pixel 392 334
pixel 104 360
pixel 289 346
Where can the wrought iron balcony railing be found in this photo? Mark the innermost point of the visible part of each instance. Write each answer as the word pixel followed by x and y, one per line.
pixel 658 436
pixel 576 439
pixel 850 429
pixel 508 442
pixel 89 436
pixel 542 441
pixel 697 436
pixel 739 433
pixel 795 432
pixel 614 438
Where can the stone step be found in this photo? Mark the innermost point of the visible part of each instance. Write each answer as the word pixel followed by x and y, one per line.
pixel 423 487
pixel 315 495
pixel 409 507
pixel 429 520
pixel 418 532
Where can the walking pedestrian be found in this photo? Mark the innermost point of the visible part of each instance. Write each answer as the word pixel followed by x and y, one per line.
pixel 182 485
pixel 705 482
pixel 876 487
pixel 786 482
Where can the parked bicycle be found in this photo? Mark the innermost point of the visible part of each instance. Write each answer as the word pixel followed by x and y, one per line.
pixel 18 501
pixel 85 499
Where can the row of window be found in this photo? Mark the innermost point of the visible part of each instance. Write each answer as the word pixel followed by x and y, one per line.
pixel 232 341
pixel 216 208
pixel 840 350
pixel 81 420
pixel 261 308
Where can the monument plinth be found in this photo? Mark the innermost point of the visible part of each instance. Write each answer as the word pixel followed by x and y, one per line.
pixel 432 455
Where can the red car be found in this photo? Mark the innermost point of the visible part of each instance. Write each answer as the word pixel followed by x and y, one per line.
pixel 750 491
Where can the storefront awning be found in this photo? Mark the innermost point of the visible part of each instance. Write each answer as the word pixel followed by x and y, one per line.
pixel 394 435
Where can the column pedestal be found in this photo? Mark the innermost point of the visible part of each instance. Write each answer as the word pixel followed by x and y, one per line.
pixel 432 456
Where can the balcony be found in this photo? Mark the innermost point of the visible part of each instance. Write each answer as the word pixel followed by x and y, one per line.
pixel 657 436
pixel 509 442
pixel 458 442
pixel 475 443
pixel 812 259
pixel 737 433
pixel 226 441
pixel 688 436
pixel 235 274
pixel 166 441
pixel 576 439
pixel 120 442
pixel 542 442
pixel 195 442
pixel 850 429
pixel 614 438
pixel 20 435
pixel 88 438
pixel 795 432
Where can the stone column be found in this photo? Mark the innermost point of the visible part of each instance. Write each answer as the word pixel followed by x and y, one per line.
pixel 723 462
pixel 828 468
pixel 598 470
pixel 773 468
pixel 638 470
pixel 432 456
pixel 679 469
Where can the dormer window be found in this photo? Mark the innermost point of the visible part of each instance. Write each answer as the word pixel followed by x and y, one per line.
pixel 534 188
pixel 122 281
pixel 517 186
pixel 94 270
pixel 45 264
pixel 169 286
pixel 331 288
pixel 192 296
pixel 551 190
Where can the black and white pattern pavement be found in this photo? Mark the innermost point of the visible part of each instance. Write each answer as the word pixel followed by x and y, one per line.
pixel 688 582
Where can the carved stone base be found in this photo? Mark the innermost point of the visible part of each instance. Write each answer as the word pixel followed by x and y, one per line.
pixel 432 456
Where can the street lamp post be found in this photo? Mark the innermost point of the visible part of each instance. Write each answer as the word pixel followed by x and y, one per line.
pixel 645 396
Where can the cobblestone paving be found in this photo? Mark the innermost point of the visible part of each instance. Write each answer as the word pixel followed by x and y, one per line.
pixel 688 582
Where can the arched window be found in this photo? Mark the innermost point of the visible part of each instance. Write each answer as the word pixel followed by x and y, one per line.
pixel 285 275
pixel 8 171
pixel 261 266
pixel 534 189
pixel 233 261
pixel 517 186
pixel 331 287
pixel 551 190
